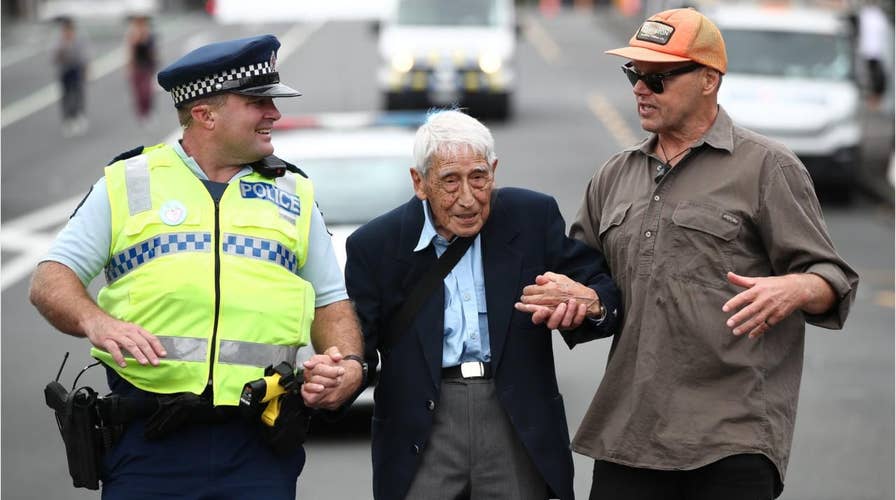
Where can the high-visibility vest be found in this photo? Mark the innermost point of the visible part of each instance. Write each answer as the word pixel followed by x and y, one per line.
pixel 216 284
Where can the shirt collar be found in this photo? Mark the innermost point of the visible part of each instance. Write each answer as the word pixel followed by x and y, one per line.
pixel 428 234
pixel 194 167
pixel 719 136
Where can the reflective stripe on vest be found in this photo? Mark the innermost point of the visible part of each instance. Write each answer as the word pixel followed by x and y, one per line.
pixel 137 179
pixel 231 351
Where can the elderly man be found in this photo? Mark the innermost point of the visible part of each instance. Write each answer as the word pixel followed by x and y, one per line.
pixel 467 404
pixel 217 264
pixel 717 241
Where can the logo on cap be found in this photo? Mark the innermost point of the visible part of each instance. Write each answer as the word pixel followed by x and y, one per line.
pixel 273 61
pixel 655 32
pixel 173 213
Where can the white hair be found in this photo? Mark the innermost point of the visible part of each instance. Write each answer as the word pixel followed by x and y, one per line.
pixel 449 132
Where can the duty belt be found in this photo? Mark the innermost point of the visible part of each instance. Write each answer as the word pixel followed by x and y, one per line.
pixel 165 413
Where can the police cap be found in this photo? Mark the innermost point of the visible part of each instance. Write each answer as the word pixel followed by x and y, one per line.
pixel 244 66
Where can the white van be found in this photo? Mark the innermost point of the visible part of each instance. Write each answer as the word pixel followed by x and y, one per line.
pixel 443 53
pixel 791 77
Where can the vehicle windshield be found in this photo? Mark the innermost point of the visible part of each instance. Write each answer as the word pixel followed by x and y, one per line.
pixel 452 13
pixel 355 190
pixel 789 54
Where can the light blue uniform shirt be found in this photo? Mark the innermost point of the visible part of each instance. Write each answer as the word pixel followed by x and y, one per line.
pixel 466 316
pixel 83 244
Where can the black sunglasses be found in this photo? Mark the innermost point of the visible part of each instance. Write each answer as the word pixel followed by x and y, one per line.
pixel 654 81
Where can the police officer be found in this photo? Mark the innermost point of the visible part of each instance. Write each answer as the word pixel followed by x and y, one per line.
pixel 217 264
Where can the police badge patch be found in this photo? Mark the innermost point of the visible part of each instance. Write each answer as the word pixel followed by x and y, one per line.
pixel 271 193
pixel 173 213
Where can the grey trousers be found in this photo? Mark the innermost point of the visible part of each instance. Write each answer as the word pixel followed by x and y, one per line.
pixel 473 452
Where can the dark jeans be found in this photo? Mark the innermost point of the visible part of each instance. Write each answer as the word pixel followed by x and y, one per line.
pixel 877 78
pixel 738 477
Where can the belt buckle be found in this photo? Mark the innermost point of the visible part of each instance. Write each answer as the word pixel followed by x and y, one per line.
pixel 472 369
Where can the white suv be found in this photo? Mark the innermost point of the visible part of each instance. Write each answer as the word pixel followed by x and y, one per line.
pixel 791 77
pixel 442 53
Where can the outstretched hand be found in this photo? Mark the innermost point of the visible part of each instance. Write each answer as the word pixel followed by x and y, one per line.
pixel 768 300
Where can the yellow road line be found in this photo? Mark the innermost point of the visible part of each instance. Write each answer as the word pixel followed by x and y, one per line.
pixel 541 40
pixel 885 299
pixel 611 120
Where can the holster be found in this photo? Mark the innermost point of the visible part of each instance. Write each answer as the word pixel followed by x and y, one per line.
pixel 291 427
pixel 87 438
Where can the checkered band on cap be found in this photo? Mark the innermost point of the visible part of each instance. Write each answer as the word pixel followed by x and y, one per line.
pixel 216 83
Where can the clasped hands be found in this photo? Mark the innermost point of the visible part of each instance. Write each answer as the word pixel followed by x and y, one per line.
pixel 558 302
pixel 329 381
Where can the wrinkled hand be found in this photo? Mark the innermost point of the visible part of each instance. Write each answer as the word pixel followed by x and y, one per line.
pixel 329 382
pixel 113 336
pixel 765 302
pixel 558 302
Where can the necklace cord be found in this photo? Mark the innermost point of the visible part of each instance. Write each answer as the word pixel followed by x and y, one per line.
pixel 667 160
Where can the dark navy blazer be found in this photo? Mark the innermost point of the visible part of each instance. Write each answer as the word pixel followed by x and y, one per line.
pixel 524 236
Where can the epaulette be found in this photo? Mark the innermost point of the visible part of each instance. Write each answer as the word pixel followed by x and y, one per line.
pixel 127 154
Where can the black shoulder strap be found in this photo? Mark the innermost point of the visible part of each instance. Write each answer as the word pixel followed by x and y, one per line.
pixel 127 154
pixel 423 289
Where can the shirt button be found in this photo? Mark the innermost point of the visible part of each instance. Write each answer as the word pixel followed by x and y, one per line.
pixel 430 405
pixel 466 295
pixel 415 449
pixel 648 234
pixel 656 198
pixel 659 168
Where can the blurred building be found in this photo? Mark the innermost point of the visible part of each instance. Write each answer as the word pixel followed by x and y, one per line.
pixel 34 10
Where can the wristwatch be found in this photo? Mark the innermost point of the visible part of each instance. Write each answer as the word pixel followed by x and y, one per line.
pixel 597 320
pixel 363 364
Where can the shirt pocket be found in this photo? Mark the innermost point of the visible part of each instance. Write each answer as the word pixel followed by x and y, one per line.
pixel 702 243
pixel 614 237
pixel 272 228
pixel 151 222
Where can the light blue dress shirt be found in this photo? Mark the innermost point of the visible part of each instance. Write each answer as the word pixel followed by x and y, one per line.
pixel 466 316
pixel 83 244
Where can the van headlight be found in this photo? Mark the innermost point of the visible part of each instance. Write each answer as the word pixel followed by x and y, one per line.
pixel 402 62
pixel 489 63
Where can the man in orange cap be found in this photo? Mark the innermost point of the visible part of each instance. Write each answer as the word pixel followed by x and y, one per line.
pixel 716 239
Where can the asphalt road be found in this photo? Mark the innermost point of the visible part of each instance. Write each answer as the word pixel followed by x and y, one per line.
pixel 562 131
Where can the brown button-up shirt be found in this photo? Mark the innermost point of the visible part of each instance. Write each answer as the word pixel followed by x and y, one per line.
pixel 680 390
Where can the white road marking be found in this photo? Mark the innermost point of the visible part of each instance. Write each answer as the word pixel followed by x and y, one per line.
pixel 112 61
pixel 22 237
pixel 14 55
pixel 49 94
pixel 26 236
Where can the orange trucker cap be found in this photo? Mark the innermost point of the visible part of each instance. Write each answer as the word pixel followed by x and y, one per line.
pixel 677 35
